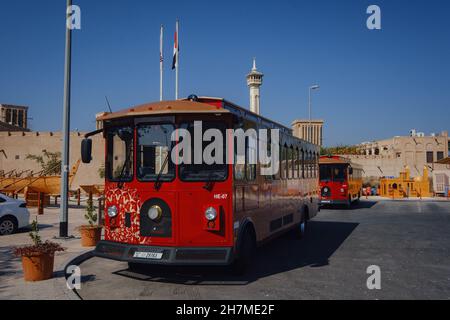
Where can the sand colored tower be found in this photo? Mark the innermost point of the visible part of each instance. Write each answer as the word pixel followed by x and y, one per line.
pixel 254 82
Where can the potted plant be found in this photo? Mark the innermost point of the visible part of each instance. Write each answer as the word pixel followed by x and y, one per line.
pixel 38 258
pixel 91 233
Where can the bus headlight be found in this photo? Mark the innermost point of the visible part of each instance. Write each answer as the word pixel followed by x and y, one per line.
pixel 112 211
pixel 342 190
pixel 210 214
pixel 155 212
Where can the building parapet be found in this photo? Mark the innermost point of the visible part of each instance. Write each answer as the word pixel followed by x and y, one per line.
pixel 37 133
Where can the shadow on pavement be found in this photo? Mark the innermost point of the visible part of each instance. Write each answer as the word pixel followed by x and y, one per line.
pixel 7 261
pixel 28 229
pixel 280 255
pixel 366 204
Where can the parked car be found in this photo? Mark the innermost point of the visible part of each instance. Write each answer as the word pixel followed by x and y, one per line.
pixel 13 215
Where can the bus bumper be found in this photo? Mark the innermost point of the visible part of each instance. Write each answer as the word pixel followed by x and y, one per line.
pixel 332 202
pixel 164 255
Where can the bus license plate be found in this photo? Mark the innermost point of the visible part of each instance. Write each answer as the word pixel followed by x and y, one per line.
pixel 148 255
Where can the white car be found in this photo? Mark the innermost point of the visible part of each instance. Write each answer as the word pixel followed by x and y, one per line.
pixel 13 215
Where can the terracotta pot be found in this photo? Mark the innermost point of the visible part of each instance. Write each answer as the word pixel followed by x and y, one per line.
pixel 90 236
pixel 38 267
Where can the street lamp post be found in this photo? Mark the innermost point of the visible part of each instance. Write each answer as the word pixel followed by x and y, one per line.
pixel 63 222
pixel 313 87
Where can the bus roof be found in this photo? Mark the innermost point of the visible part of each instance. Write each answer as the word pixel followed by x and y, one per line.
pixel 164 107
pixel 333 159
pixel 234 108
pixel 200 105
pixel 337 160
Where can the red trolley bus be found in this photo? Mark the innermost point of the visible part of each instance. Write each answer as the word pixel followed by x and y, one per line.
pixel 340 180
pixel 160 212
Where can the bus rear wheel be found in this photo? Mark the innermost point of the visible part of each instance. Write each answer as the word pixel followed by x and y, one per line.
pixel 300 230
pixel 245 254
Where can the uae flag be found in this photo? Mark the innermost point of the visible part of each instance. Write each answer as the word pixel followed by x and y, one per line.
pixel 176 49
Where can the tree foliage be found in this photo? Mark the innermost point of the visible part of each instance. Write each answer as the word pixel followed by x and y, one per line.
pixel 38 247
pixel 90 215
pixel 50 162
pixel 339 150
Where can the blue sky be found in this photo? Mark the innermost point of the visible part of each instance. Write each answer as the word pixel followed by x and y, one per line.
pixel 374 84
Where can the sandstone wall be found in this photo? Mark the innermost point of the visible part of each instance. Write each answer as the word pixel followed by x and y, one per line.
pixel 15 146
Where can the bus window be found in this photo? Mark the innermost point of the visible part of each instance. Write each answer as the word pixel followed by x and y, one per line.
pixel 303 164
pixel 290 162
pixel 313 164
pixel 339 173
pixel 316 165
pixel 251 158
pixel 309 166
pixel 277 175
pixel 239 168
pixel 325 172
pixel 119 162
pixel 153 152
pixel 295 163
pixel 217 171
pixel 268 142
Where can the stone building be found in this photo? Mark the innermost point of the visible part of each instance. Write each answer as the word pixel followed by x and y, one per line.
pixel 389 156
pixel 314 134
pixel 13 118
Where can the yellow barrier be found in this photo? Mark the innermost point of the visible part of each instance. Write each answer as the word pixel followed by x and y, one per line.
pixel 404 186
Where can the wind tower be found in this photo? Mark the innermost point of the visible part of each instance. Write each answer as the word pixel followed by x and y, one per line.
pixel 254 82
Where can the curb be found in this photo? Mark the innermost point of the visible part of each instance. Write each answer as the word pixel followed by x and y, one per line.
pixel 76 261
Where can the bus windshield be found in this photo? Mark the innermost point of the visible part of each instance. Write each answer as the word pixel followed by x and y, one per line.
pixel 205 172
pixel 153 152
pixel 333 172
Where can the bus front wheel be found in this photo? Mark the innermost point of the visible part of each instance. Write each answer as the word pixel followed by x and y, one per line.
pixel 245 254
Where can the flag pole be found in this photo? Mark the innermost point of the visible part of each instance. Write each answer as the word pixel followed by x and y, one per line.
pixel 161 59
pixel 177 62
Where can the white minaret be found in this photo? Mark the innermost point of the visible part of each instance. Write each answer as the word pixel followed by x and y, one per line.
pixel 254 81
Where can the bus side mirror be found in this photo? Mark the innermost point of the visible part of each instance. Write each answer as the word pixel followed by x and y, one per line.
pixel 86 150
pixel 350 170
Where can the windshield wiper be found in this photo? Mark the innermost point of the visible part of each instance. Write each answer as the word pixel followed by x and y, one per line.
pixel 209 185
pixel 158 183
pixel 121 177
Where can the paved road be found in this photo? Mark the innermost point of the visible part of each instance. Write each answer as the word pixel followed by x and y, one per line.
pixel 408 240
